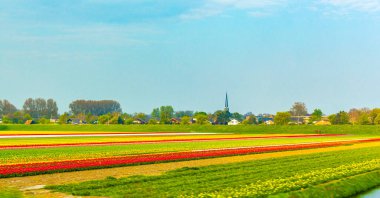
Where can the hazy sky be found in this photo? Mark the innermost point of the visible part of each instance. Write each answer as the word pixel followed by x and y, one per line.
pixel 146 53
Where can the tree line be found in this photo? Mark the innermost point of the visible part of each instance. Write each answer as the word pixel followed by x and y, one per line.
pixel 110 112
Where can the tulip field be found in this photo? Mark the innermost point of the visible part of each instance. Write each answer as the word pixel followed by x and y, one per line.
pixel 307 160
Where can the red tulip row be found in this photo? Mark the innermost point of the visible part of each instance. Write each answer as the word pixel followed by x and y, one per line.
pixel 160 141
pixel 70 165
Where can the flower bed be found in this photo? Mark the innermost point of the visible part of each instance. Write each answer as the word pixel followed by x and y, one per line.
pixel 70 165
pixel 143 141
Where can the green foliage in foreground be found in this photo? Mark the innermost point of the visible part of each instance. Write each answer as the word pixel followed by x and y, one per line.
pixel 346 187
pixel 216 178
pixel 10 193
pixel 254 129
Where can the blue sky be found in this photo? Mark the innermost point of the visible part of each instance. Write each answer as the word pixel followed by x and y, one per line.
pixel 267 54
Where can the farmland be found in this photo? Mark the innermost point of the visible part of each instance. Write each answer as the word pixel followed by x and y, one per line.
pixel 184 164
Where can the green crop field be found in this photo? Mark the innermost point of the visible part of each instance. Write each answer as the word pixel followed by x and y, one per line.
pixel 253 179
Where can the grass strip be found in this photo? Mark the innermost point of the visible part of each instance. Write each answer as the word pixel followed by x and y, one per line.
pixel 347 187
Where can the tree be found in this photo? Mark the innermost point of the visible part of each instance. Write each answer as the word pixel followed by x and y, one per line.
pixel 155 114
pixel 354 115
pixel 7 108
pixel 153 121
pixel 282 118
pixel 339 118
pixel 237 116
pixel 141 116
pixel 250 119
pixel 199 113
pixel 43 121
pixel 180 114
pixel 373 115
pixel 316 115
pixel 40 107
pixel 166 113
pixel 201 119
pixel 104 119
pixel 364 118
pixel 185 120
pixel 100 107
pixel 377 120
pixel 63 118
pixel 52 108
pixel 222 117
pixel 298 109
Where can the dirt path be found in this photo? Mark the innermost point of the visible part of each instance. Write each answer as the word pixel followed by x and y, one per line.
pixel 150 169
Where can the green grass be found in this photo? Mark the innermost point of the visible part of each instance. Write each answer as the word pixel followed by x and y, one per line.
pixel 347 187
pixel 216 178
pixel 303 129
pixel 83 152
pixel 10 193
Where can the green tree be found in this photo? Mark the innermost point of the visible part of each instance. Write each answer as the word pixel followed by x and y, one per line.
pixel 201 119
pixel 250 119
pixel 27 117
pixel 155 114
pixel 153 121
pixel 316 115
pixel 340 118
pixel 63 118
pixel 185 120
pixel 104 119
pixel 222 117
pixel 199 113
pixel 364 118
pixel 180 114
pixel 141 116
pixel 166 114
pixel 237 116
pixel 282 118
pixel 377 120
pixel 43 121
pixel 373 114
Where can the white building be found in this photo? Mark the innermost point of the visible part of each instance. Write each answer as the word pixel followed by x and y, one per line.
pixel 233 122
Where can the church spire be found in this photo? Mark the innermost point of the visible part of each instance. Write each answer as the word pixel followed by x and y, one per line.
pixel 226 108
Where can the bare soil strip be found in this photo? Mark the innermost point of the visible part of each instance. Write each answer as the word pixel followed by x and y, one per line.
pixel 150 169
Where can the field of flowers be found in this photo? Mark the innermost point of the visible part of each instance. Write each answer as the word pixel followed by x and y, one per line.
pixel 34 154
pixel 258 178
pixel 31 159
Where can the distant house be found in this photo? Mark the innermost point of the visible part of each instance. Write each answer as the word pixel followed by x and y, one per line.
pixel 233 122
pixel 29 122
pixel 53 120
pixel 269 122
pixel 175 121
pixel 139 121
pixel 300 119
pixel 263 118
pixel 75 121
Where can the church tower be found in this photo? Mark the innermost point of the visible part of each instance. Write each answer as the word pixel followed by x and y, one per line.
pixel 226 108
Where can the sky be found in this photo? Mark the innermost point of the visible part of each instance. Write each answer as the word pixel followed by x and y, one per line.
pixel 267 54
